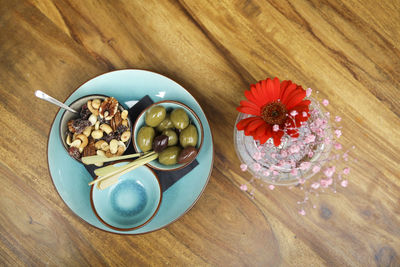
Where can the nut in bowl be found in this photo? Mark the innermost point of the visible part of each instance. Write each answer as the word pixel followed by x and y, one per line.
pixel 171 129
pixel 102 127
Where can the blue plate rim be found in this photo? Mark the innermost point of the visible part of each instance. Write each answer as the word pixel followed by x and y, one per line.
pixel 178 217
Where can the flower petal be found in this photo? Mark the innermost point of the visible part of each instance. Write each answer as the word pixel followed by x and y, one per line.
pixel 273 94
pixel 277 137
pixel 260 130
pixel 289 90
pixel 277 87
pixel 248 110
pixel 295 98
pixel 243 123
pixel 252 126
pixel 251 97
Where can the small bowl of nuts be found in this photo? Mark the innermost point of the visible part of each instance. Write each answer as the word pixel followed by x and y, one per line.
pixel 102 127
pixel 171 129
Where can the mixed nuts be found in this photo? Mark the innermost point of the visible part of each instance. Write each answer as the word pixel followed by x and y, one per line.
pixel 169 134
pixel 102 129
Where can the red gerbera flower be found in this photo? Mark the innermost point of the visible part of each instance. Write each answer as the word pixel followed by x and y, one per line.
pixel 273 103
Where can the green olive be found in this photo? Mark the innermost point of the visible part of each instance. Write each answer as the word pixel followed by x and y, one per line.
pixel 145 138
pixel 179 118
pixel 169 156
pixel 188 136
pixel 172 137
pixel 165 124
pixel 155 116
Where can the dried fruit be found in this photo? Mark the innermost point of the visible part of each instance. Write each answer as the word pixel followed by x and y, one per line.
pixel 121 129
pixel 80 125
pixel 74 152
pixel 85 112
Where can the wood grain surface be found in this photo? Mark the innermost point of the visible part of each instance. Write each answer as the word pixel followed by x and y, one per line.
pixel 347 50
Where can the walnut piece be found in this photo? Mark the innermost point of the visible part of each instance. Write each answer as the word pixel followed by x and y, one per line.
pixel 108 108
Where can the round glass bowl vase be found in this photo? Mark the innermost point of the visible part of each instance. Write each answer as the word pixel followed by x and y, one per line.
pixel 295 159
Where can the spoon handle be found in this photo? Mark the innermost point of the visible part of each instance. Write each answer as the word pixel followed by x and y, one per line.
pixel 44 96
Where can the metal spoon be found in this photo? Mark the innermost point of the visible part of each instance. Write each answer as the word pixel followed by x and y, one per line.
pixel 44 96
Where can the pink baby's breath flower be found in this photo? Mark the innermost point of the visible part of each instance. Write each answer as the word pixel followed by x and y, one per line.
pixel 329 171
pixel 275 173
pixel 257 156
pixel 315 185
pixel 309 139
pixel 308 92
pixel 346 170
pixel 302 212
pixel 243 187
pixel 325 102
pixel 337 118
pixel 316 169
pixel 302 181
pixel 294 172
pixel 266 173
pixel 338 133
pixel 284 153
pixel 243 167
pixel 310 154
pixel 275 128
pixel 256 167
pixel 338 146
pixel 324 183
pixel 304 114
pixel 305 165
pixel 344 183
pixel 294 149
pixel 271 187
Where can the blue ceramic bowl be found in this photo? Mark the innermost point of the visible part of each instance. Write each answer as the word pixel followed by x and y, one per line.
pixel 130 203
pixel 169 105
pixel 77 105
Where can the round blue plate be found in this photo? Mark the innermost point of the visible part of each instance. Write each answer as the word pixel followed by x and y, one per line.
pixel 71 179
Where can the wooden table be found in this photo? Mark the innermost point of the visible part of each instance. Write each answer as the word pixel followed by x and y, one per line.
pixel 347 50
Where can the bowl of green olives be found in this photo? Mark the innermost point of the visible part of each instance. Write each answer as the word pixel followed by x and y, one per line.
pixel 171 129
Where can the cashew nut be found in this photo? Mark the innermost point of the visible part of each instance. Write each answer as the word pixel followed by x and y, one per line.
pixel 124 114
pixel 87 131
pixel 120 143
pixel 96 103
pixel 84 140
pixel 100 153
pixel 97 125
pixel 97 134
pixel 93 119
pixel 68 140
pixel 125 136
pixel 109 154
pixel 90 107
pixel 77 143
pixel 113 146
pixel 120 151
pixel 125 123
pixel 99 144
pixel 106 128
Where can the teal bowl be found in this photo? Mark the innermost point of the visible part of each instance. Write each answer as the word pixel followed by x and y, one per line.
pixel 130 203
pixel 169 105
